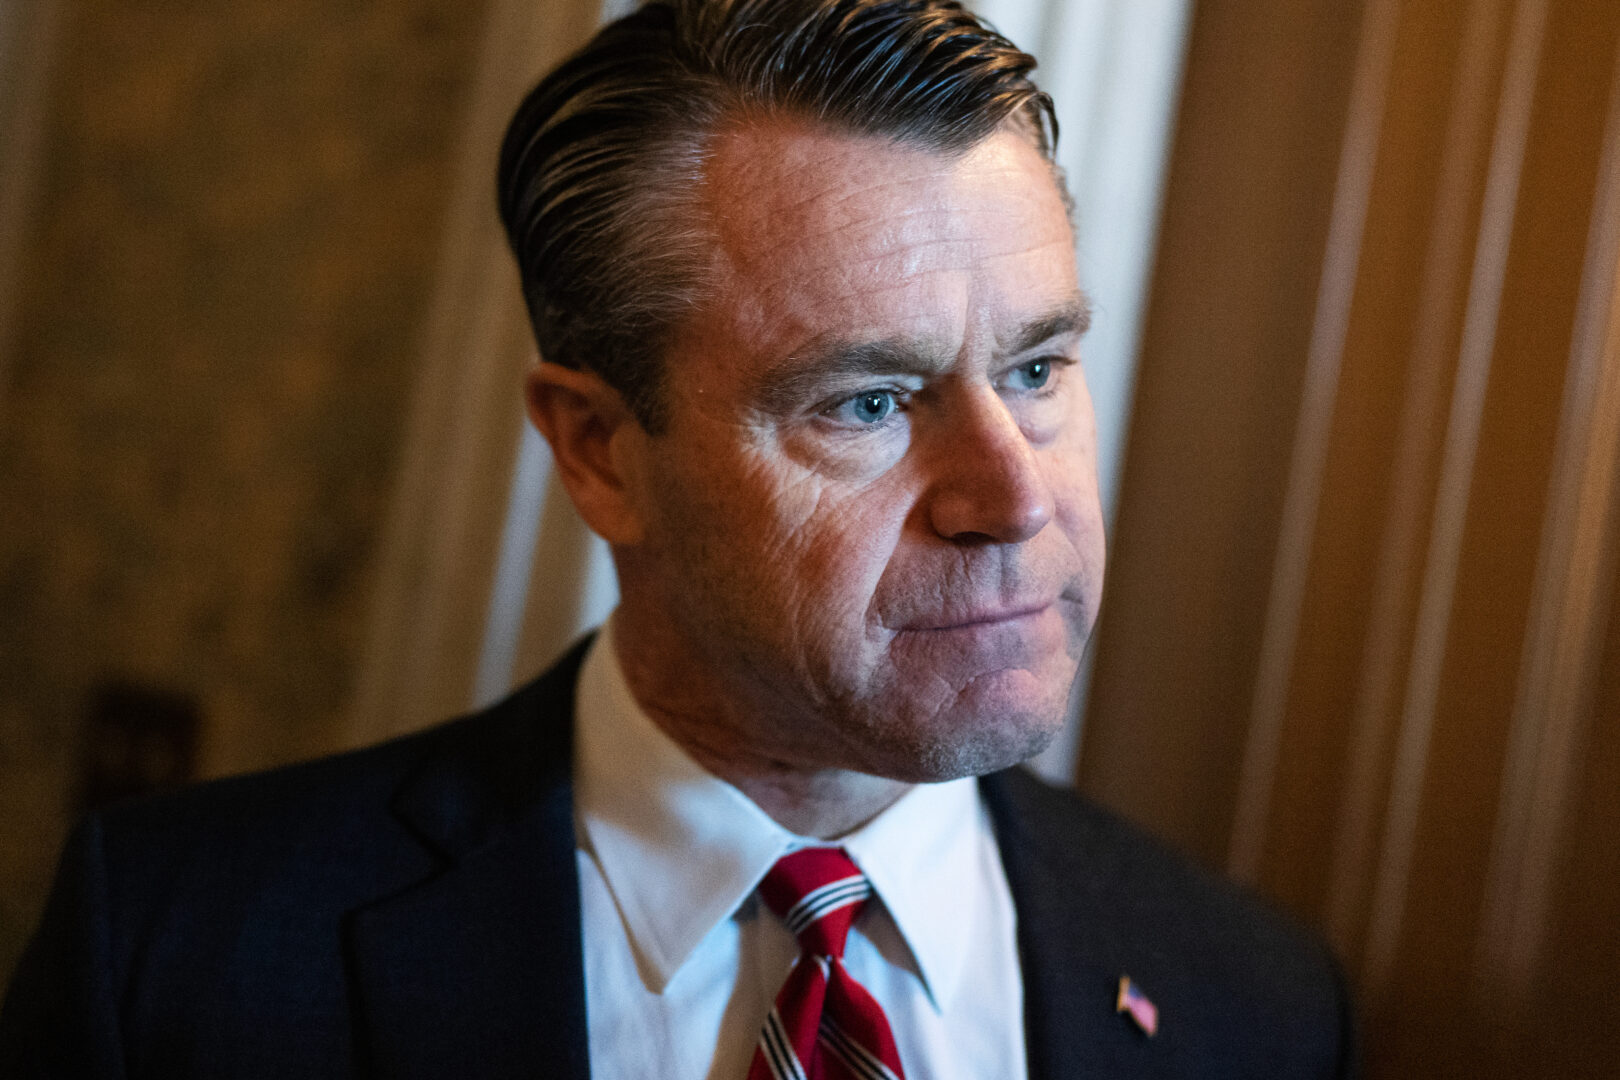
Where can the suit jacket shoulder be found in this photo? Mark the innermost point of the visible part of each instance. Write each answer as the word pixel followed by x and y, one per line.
pixel 1240 990
pixel 373 913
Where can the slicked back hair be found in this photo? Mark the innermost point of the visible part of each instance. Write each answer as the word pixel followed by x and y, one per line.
pixel 603 164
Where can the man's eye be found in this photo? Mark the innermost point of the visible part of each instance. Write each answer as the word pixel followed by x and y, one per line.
pixel 871 407
pixel 1033 375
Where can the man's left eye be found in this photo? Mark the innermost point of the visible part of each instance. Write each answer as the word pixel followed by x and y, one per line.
pixel 1033 375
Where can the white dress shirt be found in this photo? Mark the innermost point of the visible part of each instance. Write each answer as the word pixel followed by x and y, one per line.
pixel 682 962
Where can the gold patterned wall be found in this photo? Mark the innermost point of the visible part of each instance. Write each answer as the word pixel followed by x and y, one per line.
pixel 236 219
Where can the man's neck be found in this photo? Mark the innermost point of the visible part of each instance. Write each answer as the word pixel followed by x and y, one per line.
pixel 823 803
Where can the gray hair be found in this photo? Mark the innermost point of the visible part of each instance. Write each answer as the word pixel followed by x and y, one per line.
pixel 604 160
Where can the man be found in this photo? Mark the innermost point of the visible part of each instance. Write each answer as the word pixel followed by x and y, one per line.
pixel 803 277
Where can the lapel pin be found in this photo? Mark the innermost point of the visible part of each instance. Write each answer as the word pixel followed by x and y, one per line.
pixel 1132 1000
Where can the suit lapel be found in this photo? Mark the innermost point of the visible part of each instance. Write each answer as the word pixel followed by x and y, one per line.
pixel 1071 960
pixel 478 970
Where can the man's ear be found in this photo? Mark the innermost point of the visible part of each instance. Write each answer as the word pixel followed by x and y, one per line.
pixel 597 444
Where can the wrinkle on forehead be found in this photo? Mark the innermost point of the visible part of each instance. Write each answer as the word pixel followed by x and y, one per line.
pixel 799 182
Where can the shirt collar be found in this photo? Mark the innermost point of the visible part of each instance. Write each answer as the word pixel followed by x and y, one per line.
pixel 923 857
pixel 681 849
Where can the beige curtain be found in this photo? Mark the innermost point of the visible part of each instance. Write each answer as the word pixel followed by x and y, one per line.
pixel 1362 639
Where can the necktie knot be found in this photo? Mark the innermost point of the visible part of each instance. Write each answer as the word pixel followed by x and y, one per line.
pixel 825 1026
pixel 817 893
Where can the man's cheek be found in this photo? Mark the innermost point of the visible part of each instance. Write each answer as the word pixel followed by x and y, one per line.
pixel 792 504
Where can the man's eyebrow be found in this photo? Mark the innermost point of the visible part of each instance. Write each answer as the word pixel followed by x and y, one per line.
pixel 1073 318
pixel 783 386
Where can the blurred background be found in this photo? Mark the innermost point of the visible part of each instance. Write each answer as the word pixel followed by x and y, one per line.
pixel 265 489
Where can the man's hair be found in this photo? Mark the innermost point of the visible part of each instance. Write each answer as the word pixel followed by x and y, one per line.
pixel 603 164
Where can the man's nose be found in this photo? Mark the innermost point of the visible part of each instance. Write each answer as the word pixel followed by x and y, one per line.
pixel 989 486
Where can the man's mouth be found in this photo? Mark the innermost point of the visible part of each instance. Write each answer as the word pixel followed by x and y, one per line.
pixel 978 617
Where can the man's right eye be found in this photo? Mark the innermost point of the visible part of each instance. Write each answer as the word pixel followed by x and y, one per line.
pixel 867 407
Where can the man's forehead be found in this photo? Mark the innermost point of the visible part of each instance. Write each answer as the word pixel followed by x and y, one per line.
pixel 778 184
pixel 817 232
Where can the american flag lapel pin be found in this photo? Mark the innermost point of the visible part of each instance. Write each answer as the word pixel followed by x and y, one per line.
pixel 1132 1000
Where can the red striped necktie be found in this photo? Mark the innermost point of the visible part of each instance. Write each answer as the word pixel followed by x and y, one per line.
pixel 825 1026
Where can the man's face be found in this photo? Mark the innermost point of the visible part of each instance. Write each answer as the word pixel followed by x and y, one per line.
pixel 872 520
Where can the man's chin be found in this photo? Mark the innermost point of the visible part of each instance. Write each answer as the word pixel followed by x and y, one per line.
pixel 936 752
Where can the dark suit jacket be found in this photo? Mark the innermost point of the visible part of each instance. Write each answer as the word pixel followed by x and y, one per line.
pixel 412 910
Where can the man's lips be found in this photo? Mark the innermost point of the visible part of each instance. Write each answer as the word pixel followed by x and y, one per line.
pixel 977 617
